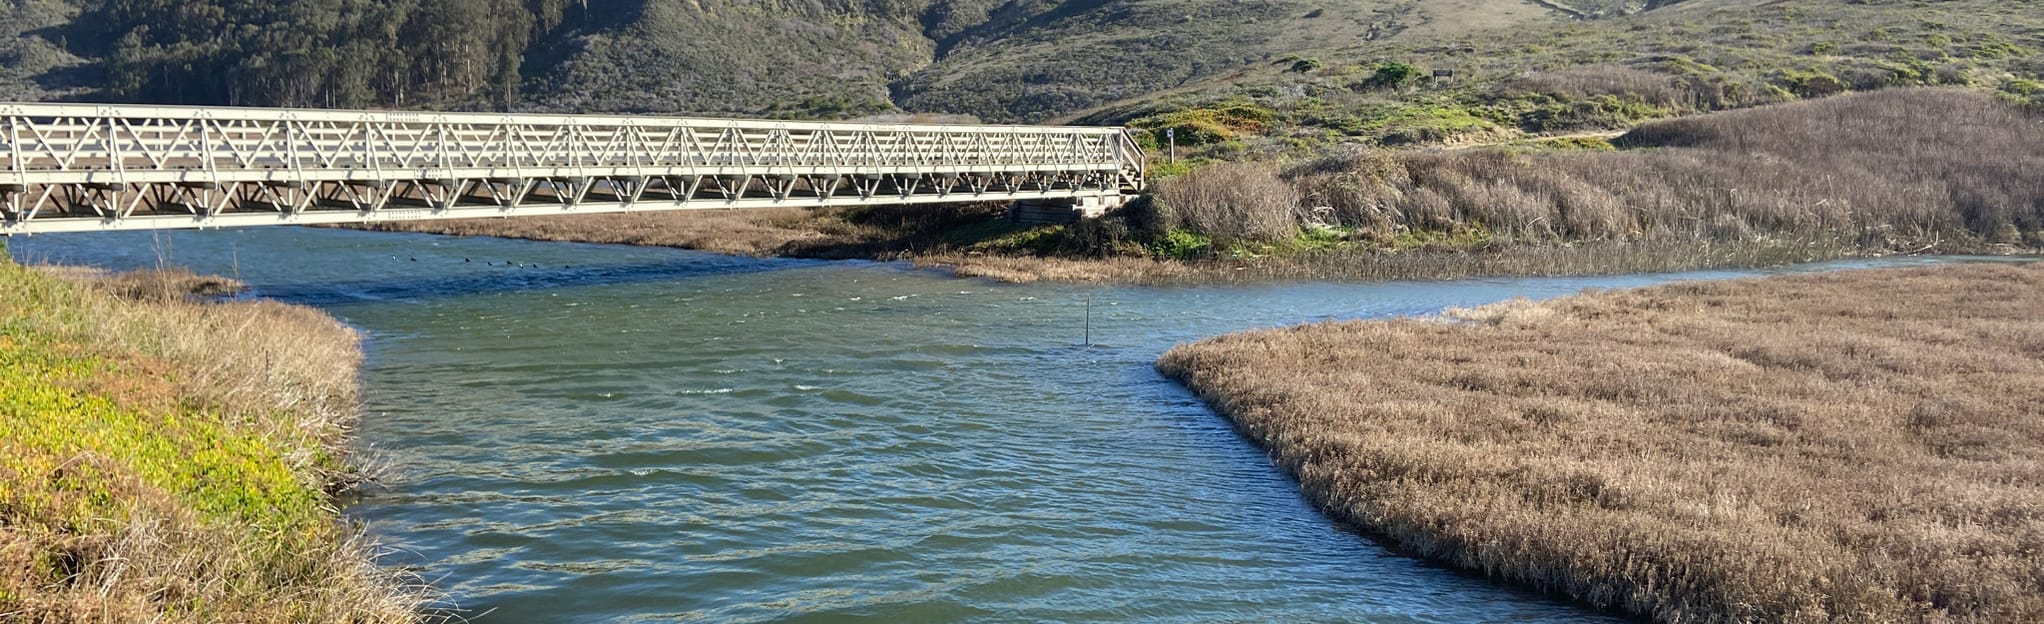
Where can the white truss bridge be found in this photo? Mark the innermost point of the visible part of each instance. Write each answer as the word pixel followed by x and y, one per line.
pixel 89 167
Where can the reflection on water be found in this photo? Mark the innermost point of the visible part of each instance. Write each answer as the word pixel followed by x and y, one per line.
pixel 597 433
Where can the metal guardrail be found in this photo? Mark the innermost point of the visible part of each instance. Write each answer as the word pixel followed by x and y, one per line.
pixel 86 167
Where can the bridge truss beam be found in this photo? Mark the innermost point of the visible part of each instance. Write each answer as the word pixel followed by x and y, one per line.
pixel 83 167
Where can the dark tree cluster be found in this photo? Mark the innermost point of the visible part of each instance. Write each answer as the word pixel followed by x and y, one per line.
pixel 324 53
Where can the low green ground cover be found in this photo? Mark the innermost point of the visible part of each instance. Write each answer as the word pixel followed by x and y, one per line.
pixel 151 471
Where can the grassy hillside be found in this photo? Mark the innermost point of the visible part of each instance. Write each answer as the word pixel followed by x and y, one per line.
pixel 1590 75
pixel 828 58
pixel 163 460
pixel 1036 60
pixel 1022 60
pixel 33 64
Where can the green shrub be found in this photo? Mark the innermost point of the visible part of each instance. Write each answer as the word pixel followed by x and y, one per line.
pixel 1181 245
pixel 1594 144
pixel 1810 84
pixel 1324 238
pixel 1418 124
pixel 1395 75
pixel 1684 66
pixel 1208 125
pixel 1997 48
pixel 1150 220
pixel 1602 112
pixel 1165 169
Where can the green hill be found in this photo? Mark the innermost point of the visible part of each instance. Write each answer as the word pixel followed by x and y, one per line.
pixel 824 58
pixel 1637 63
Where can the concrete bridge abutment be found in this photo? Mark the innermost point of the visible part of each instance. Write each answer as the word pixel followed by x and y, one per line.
pixel 1063 210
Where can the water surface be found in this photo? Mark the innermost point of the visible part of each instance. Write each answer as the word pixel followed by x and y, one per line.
pixel 596 433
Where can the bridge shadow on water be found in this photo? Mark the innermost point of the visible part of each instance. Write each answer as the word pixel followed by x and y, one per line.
pixel 511 277
pixel 329 267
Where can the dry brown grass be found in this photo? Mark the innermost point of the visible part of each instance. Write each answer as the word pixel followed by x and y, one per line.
pixel 1588 258
pixel 1892 169
pixel 161 285
pixel 1234 203
pixel 1603 258
pixel 248 359
pixel 1862 446
pixel 171 459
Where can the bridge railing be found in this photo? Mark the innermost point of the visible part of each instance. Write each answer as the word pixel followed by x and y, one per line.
pixel 108 167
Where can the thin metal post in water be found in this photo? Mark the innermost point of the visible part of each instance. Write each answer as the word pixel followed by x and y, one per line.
pixel 1089 319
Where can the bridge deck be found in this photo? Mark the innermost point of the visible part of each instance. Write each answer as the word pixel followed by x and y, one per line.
pixel 83 167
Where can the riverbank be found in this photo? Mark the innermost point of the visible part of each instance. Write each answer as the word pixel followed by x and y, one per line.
pixel 167 459
pixel 832 234
pixel 1862 445
pixel 1890 172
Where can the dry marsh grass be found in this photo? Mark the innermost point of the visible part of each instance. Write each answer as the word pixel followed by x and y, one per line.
pixel 156 286
pixel 1893 170
pixel 1234 203
pixel 164 459
pixel 1863 446
pixel 1596 258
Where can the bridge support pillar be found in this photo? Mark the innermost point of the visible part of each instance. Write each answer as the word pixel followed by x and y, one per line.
pixel 1062 211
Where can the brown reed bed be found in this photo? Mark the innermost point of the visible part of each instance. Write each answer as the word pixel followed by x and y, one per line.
pixel 1860 446
pixel 1920 168
pixel 168 458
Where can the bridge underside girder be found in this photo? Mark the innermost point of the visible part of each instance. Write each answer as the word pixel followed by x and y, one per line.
pixel 50 208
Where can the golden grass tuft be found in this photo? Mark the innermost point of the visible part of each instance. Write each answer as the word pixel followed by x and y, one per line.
pixel 169 284
pixel 164 459
pixel 1863 446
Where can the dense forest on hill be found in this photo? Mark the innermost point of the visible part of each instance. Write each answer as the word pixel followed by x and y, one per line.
pixel 328 53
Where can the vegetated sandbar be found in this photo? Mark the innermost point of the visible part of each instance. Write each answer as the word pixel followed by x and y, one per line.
pixel 1860 446
pixel 170 460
